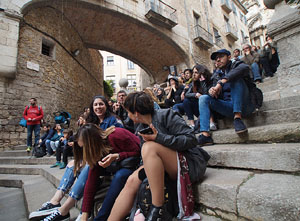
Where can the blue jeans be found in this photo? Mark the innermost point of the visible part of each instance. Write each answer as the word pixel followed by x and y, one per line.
pixel 48 147
pixel 68 180
pixel 255 71
pixel 36 129
pixel 115 188
pixel 240 103
pixel 178 108
pixel 190 107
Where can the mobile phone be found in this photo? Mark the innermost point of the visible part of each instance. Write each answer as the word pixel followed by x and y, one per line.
pixel 147 130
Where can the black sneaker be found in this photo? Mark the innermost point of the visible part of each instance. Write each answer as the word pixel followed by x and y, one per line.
pixel 56 216
pixel 239 126
pixel 205 141
pixel 46 209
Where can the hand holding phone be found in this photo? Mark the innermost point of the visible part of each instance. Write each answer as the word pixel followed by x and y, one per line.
pixel 147 130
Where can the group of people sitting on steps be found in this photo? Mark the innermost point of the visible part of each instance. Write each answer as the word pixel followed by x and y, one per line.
pixel 142 143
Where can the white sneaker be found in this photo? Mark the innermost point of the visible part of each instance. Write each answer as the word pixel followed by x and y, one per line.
pixel 212 126
pixel 79 217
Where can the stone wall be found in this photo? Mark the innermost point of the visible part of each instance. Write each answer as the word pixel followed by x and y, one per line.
pixel 61 82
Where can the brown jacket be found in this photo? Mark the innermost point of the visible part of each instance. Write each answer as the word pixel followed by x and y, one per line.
pixel 250 58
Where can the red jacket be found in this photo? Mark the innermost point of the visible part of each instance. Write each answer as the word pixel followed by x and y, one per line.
pixel 123 142
pixel 35 113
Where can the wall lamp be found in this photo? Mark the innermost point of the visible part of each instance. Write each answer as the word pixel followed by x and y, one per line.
pixel 76 52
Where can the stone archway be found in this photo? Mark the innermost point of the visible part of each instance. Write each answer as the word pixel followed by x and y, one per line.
pixel 107 29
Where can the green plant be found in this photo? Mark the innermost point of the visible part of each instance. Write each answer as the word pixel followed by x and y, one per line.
pixel 108 88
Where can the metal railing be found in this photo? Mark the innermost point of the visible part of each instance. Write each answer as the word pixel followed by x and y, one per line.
pixel 161 8
pixel 201 32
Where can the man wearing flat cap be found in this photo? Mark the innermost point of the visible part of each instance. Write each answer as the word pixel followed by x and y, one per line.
pixel 229 95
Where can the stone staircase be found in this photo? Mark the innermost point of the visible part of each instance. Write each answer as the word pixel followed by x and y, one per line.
pixel 254 177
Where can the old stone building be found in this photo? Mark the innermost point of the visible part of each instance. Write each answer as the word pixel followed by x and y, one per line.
pixel 47 47
pixel 47 70
pixel 258 17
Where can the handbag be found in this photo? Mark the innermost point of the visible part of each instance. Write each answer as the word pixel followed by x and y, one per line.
pixel 23 122
pixel 128 163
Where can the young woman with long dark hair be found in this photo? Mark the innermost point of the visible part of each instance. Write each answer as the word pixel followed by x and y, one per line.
pixel 171 149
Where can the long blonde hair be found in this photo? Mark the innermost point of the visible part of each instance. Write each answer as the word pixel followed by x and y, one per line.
pixel 95 145
pixel 150 92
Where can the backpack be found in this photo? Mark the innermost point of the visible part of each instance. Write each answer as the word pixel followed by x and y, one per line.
pixel 38 151
pixel 144 200
pixel 256 95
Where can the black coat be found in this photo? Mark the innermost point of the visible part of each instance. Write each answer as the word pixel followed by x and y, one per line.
pixel 174 133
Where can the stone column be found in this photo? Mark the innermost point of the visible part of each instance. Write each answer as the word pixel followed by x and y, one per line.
pixel 284 27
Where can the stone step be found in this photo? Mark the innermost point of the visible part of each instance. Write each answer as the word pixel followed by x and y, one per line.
pixel 269 84
pixel 53 175
pixel 18 147
pixel 27 160
pixel 226 194
pixel 14 153
pixel 272 133
pixel 10 199
pixel 261 118
pixel 283 157
pixel 244 195
pixel 37 190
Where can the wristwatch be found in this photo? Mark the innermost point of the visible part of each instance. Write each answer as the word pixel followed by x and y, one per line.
pixel 221 83
pixel 117 159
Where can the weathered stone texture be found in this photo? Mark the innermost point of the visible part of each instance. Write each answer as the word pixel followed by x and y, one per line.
pixel 270 197
pixel 62 83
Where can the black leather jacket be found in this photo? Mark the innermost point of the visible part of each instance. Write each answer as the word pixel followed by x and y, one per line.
pixel 174 133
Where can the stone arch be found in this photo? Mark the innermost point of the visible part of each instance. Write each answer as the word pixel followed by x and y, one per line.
pixel 105 28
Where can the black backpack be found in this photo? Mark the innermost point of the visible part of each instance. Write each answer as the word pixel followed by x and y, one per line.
pixel 256 95
pixel 144 200
pixel 38 151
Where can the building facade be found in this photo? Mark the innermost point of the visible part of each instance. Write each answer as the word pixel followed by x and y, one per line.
pixel 258 17
pixel 116 67
pixel 49 49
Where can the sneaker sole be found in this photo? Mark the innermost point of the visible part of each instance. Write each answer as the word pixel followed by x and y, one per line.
pixel 38 215
pixel 241 131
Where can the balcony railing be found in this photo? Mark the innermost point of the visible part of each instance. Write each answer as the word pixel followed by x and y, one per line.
pixel 202 37
pixel 160 13
pixel 226 6
pixel 231 33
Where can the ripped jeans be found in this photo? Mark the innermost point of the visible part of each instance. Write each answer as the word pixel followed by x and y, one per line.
pixel 68 180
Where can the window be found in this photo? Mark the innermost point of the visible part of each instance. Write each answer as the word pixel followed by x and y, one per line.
pixel 48 48
pixel 110 60
pixel 241 16
pixel 217 35
pixel 130 65
pixel 131 80
pixel 233 8
pixel 245 20
pixel 243 36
